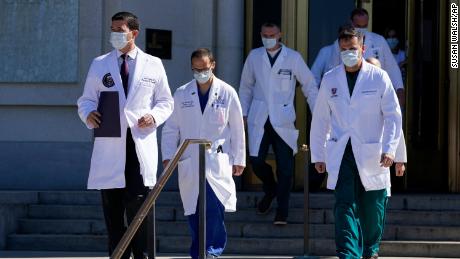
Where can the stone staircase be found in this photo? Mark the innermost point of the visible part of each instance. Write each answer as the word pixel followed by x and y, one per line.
pixel 416 225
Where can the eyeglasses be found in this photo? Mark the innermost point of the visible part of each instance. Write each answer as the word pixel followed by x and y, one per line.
pixel 196 70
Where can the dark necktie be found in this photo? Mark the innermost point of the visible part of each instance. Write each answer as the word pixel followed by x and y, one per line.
pixel 124 73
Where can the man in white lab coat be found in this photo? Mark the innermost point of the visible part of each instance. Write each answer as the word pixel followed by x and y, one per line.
pixel 376 47
pixel 267 91
pixel 207 108
pixel 355 132
pixel 124 167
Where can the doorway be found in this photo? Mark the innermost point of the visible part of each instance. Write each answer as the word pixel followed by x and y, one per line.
pixel 417 23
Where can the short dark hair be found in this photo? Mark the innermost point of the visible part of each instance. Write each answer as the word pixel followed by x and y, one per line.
pixel 270 24
pixel 358 12
pixel 131 19
pixel 348 31
pixel 202 52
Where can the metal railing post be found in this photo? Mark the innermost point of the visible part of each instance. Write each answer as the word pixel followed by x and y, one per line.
pixel 153 195
pixel 306 205
pixel 202 202
pixel 151 239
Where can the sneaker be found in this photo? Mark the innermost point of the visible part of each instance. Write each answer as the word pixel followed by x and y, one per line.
pixel 280 220
pixel 376 256
pixel 264 205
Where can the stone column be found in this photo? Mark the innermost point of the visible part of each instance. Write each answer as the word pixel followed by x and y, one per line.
pixel 230 40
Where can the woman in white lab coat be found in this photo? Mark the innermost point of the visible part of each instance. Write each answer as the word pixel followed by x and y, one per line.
pixel 355 132
pixel 124 167
pixel 207 108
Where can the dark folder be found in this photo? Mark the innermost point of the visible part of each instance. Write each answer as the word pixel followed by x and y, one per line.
pixel 109 108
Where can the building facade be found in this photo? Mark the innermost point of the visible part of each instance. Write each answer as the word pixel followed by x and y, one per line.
pixel 50 44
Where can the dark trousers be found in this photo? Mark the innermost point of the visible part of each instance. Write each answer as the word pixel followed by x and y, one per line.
pixel 216 234
pixel 284 168
pixel 117 202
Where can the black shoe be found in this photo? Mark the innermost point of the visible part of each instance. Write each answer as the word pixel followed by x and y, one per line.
pixel 264 205
pixel 280 220
pixel 376 256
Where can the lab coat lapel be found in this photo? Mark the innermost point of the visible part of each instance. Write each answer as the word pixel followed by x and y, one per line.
pixel 265 59
pixel 141 59
pixel 213 95
pixel 112 64
pixel 360 81
pixel 193 95
pixel 280 59
pixel 343 83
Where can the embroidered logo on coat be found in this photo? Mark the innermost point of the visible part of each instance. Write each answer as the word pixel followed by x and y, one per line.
pixel 107 80
pixel 334 92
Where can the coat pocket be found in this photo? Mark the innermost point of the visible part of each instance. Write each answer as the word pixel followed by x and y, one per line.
pixel 256 112
pixel 369 157
pixel 219 175
pixel 286 114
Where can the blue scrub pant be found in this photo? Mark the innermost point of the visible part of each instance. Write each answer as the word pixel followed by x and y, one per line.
pixel 284 168
pixel 359 214
pixel 216 234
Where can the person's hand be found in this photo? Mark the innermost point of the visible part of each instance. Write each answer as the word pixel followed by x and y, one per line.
pixel 320 167
pixel 400 168
pixel 94 119
pixel 237 170
pixel 146 121
pixel 165 163
pixel 386 160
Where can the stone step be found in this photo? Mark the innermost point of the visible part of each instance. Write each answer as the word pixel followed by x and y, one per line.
pixel 261 246
pixel 444 202
pixel 317 216
pixel 239 229
pixel 85 212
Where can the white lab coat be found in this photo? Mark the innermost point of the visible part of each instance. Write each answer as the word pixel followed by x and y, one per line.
pixel 371 118
pixel 222 124
pixel 148 94
pixel 268 92
pixel 376 46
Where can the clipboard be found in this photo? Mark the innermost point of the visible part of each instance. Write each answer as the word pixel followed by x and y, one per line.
pixel 109 108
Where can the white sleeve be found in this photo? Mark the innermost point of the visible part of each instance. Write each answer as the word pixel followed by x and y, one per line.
pixel 170 134
pixel 392 118
pixel 320 126
pixel 307 80
pixel 401 153
pixel 247 84
pixel 236 124
pixel 163 102
pixel 319 65
pixel 89 100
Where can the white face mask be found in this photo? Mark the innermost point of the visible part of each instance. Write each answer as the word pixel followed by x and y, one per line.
pixel 350 57
pixel 119 40
pixel 269 43
pixel 202 77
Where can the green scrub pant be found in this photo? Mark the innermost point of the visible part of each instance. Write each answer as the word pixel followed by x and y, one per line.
pixel 359 214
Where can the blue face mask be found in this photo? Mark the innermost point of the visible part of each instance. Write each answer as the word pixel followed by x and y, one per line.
pixel 350 57
pixel 362 30
pixel 392 42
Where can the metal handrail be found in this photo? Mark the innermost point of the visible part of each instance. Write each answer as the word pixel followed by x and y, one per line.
pixel 153 195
